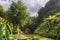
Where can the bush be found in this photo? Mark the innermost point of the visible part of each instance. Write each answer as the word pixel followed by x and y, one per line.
pixel 50 26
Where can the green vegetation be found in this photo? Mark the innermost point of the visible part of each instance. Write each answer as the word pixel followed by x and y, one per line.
pixel 37 37
pixel 12 20
pixel 51 26
pixel 16 23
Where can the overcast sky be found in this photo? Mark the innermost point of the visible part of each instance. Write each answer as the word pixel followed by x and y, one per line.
pixel 32 5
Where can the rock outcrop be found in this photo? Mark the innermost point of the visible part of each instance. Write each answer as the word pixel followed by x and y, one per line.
pixel 51 4
pixel 51 7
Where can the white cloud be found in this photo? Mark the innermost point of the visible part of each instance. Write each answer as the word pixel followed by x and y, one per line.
pixel 5 1
pixel 33 2
pixel 34 14
pixel 32 5
pixel 42 2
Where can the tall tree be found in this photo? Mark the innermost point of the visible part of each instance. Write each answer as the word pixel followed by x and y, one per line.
pixel 17 14
pixel 1 11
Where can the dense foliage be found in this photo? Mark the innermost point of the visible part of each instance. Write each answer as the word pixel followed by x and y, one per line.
pixel 5 30
pixel 17 15
pixel 17 20
pixel 49 20
pixel 12 20
pixel 50 27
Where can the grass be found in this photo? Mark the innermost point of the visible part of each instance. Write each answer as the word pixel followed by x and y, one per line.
pixel 38 37
pixel 29 36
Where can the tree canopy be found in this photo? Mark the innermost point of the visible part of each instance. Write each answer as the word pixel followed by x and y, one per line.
pixel 17 13
pixel 50 26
